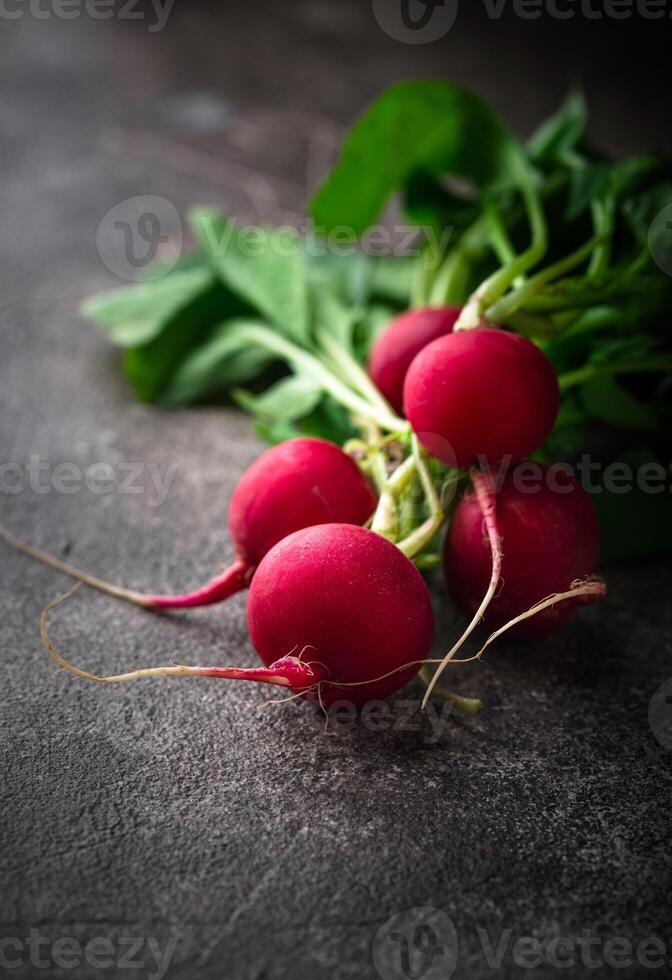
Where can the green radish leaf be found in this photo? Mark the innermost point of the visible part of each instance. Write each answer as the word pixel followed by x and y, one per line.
pixel 390 280
pixel 566 441
pixel 618 284
pixel 607 400
pixel 327 421
pixel 642 209
pixel 431 205
pixel 288 400
pixel 634 347
pixel 162 321
pixel 333 316
pixel 228 358
pixel 627 175
pixel 435 127
pixel 569 351
pixel 264 266
pixel 191 259
pixel 150 367
pixel 601 318
pixel 586 185
pixel 346 276
pixel 360 279
pixel 599 180
pixel 276 432
pixel 137 314
pixel 561 133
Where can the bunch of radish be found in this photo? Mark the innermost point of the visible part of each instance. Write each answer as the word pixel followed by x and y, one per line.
pixel 337 607
pixel 433 380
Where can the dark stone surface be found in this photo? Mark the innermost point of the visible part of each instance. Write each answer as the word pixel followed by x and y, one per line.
pixel 249 840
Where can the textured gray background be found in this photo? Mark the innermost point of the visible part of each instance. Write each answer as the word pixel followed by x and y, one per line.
pixel 261 846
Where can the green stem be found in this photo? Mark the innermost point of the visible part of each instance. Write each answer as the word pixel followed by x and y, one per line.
pixel 514 300
pixel 591 371
pixel 501 281
pixel 339 391
pixel 378 470
pixel 595 319
pixel 386 519
pixel 353 371
pixel 468 706
pixel 475 242
pixel 408 508
pixel 427 562
pixel 531 325
pixel 402 476
pixel 451 280
pixel 418 540
pixel 588 295
pixel 451 283
pixel 499 235
pixel 604 213
pixel 497 284
pixel 423 276
pixel 428 485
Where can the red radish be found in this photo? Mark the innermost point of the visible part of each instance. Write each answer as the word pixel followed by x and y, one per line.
pixel 336 612
pixel 350 596
pixel 394 349
pixel 481 394
pixel 294 485
pixel 550 539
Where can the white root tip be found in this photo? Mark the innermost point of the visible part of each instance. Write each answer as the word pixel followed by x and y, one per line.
pixel 594 589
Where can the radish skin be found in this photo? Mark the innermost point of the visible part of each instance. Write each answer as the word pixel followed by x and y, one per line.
pixel 481 395
pixel 550 539
pixel 350 597
pixel 395 348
